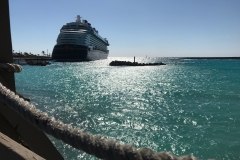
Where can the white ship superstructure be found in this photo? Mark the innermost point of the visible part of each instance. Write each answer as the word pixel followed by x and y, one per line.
pixel 79 41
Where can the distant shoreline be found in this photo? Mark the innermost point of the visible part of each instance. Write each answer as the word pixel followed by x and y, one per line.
pixel 32 58
pixel 50 58
pixel 208 57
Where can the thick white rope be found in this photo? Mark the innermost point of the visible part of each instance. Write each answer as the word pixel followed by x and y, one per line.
pixel 94 145
pixel 10 67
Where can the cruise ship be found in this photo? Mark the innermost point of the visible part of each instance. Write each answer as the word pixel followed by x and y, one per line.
pixel 79 41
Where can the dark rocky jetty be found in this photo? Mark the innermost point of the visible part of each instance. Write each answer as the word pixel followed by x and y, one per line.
pixel 127 63
pixel 38 62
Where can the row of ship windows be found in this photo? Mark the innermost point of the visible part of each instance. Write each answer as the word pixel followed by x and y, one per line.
pixel 103 48
pixel 67 39
pixel 71 36
pixel 82 38
pixel 73 27
pixel 94 41
pixel 71 42
pixel 97 44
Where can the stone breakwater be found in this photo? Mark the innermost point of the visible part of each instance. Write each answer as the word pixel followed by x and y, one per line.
pixel 127 63
pixel 37 62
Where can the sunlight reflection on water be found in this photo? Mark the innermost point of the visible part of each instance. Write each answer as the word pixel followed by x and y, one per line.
pixel 183 107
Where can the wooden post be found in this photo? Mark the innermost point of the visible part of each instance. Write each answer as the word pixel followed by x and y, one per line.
pixel 134 59
pixel 11 123
pixel 5 43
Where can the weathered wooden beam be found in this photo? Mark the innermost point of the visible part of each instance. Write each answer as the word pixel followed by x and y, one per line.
pixel 11 123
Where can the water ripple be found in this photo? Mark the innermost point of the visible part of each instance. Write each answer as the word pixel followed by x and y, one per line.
pixel 185 107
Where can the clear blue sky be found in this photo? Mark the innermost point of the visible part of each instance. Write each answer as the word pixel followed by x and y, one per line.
pixel 157 28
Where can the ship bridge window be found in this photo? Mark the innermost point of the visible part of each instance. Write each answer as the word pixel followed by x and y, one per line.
pixel 82 27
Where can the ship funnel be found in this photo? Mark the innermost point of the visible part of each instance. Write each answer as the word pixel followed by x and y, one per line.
pixel 78 18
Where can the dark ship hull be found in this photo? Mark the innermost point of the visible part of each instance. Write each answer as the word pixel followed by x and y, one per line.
pixel 76 53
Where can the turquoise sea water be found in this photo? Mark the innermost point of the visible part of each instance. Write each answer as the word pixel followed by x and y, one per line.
pixel 185 107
